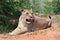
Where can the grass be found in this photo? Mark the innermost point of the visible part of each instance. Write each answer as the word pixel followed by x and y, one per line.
pixel 57 19
pixel 7 28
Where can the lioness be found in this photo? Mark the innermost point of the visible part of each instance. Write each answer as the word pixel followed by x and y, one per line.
pixel 31 22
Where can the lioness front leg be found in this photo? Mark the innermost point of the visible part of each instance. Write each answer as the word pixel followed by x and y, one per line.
pixel 18 31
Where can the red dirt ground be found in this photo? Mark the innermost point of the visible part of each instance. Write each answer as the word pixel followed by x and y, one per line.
pixel 52 33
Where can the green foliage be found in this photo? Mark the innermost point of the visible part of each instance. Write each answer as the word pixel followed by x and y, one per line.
pixel 48 7
pixel 58 7
pixel 54 4
pixel 10 10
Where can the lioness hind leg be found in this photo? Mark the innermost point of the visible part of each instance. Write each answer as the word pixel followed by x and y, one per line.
pixel 17 31
pixel 50 24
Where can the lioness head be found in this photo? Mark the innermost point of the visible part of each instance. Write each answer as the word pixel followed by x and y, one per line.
pixel 27 16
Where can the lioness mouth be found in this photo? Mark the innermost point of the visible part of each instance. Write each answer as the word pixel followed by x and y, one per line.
pixel 28 21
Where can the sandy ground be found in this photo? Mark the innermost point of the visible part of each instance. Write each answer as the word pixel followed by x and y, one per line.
pixel 52 33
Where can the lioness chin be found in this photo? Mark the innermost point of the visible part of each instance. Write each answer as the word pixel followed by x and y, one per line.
pixel 31 22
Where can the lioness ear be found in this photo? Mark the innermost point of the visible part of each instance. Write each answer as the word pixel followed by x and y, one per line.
pixel 22 10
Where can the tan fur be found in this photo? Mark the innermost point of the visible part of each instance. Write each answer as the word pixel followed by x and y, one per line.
pixel 38 22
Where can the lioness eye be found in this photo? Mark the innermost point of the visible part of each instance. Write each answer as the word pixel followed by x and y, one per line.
pixel 31 13
pixel 27 13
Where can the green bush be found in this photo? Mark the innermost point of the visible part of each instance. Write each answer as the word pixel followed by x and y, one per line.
pixel 10 10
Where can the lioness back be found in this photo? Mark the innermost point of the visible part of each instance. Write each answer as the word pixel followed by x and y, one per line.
pixel 41 21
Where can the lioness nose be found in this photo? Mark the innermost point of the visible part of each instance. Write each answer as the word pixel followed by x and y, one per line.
pixel 28 19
